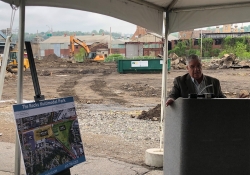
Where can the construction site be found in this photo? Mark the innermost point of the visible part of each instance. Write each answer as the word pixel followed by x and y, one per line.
pixel 116 112
pixel 120 111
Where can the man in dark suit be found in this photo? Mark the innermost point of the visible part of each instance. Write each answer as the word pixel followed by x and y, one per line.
pixel 194 82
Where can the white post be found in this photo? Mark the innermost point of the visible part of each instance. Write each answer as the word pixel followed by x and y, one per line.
pixel 110 51
pixel 20 78
pixel 164 81
pixel 4 64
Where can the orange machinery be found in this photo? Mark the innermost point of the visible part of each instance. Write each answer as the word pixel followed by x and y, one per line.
pixel 91 55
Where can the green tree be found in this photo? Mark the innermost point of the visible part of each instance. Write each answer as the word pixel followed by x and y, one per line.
pixel 238 46
pixel 207 44
pixel 101 31
pixel 241 50
pixel 215 52
pixel 192 51
pixel 94 32
pixel 81 55
pixel 180 48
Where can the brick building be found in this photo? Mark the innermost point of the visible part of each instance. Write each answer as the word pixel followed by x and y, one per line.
pixel 217 35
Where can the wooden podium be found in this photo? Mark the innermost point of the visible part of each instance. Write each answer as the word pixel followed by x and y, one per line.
pixel 207 137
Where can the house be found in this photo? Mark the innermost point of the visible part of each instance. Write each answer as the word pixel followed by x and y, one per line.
pixel 146 43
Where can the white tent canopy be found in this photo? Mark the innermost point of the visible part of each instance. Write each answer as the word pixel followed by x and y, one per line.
pixel 180 15
pixel 183 14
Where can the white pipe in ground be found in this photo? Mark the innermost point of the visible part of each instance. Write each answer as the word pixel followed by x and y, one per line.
pixel 154 157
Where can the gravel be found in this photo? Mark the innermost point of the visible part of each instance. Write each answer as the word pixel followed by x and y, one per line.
pixel 112 120
pixel 118 123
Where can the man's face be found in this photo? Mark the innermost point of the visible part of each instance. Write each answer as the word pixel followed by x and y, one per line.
pixel 195 69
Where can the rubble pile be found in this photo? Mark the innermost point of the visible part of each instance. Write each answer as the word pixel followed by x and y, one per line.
pixel 227 61
pixel 152 115
pixel 177 62
pixel 9 75
pixel 244 94
pixel 53 58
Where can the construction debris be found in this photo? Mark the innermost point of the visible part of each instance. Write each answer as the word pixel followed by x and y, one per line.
pixel 243 94
pixel 226 62
pixel 153 114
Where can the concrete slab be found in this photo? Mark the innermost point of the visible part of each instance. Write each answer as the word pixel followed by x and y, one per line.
pixel 93 165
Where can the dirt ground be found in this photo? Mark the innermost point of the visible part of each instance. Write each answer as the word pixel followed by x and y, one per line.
pixel 100 83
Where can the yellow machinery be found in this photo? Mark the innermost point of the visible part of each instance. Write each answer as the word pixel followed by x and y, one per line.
pixel 12 62
pixel 91 55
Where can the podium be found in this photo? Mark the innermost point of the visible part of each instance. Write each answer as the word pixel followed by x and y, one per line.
pixel 207 137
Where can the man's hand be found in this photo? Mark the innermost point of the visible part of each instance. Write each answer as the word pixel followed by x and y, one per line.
pixel 169 101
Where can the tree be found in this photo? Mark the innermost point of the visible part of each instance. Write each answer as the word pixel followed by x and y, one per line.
pixel 207 44
pixel 94 32
pixel 180 48
pixel 101 31
pixel 238 46
pixel 81 55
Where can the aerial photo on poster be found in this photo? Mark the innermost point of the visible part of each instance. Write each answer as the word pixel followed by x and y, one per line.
pixel 49 135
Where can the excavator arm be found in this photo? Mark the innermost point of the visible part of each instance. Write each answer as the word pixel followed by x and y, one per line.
pixel 79 42
pixel 91 55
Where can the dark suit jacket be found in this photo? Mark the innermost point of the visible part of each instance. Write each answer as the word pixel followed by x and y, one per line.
pixel 183 86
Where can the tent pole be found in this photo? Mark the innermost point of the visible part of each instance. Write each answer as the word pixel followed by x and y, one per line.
pixel 20 78
pixel 164 79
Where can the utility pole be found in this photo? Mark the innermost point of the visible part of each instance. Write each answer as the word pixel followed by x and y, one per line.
pixel 201 42
pixel 110 47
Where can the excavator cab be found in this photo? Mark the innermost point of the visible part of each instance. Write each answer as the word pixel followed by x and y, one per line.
pixel 12 58
pixel 95 57
pixel 91 55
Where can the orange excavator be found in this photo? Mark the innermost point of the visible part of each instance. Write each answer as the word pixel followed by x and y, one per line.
pixel 90 55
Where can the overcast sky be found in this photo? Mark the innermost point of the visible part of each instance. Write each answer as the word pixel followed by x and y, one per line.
pixel 42 19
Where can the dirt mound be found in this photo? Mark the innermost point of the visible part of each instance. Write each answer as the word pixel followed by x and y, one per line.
pixel 52 57
pixel 141 90
pixel 54 61
pixel 153 114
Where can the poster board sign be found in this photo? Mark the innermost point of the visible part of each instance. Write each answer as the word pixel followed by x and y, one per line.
pixel 49 135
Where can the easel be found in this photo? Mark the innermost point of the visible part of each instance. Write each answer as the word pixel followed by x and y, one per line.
pixel 38 96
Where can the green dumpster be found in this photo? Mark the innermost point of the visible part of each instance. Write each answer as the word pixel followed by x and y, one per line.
pixel 139 66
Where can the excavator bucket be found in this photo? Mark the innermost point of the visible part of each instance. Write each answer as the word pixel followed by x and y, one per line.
pixel 12 68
